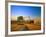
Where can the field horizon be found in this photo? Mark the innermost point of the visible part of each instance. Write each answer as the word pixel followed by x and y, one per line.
pixel 21 23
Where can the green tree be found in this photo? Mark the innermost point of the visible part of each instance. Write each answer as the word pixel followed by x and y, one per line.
pixel 20 18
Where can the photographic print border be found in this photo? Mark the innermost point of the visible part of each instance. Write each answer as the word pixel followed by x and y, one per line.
pixel 26 3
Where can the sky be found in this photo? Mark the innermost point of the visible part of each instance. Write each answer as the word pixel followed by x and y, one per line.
pixel 32 11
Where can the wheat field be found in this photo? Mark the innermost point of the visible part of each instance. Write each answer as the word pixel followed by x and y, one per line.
pixel 26 25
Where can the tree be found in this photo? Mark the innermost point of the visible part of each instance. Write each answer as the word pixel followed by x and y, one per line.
pixel 20 18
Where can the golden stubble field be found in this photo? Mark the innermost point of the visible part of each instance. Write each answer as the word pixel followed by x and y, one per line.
pixel 25 26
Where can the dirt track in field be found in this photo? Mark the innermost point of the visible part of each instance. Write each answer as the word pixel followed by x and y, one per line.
pixel 24 27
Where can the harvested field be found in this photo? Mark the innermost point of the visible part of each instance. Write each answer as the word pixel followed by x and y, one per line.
pixel 23 26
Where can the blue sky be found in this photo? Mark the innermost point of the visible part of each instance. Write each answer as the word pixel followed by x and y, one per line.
pixel 32 11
